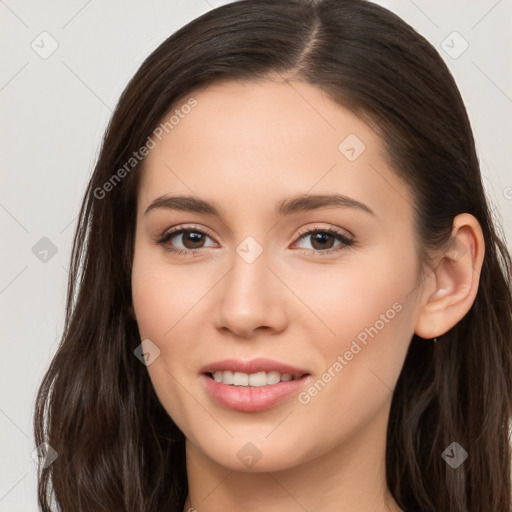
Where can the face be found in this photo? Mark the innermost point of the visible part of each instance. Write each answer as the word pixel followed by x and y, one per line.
pixel 279 323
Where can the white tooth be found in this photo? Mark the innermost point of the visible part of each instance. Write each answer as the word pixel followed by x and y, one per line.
pixel 240 379
pixel 227 377
pixel 273 377
pixel 258 379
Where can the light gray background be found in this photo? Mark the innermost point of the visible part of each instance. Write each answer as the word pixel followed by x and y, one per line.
pixel 54 112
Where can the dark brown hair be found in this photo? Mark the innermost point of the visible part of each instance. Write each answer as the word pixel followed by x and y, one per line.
pixel 118 450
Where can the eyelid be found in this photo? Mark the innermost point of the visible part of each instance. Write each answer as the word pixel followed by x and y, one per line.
pixel 175 230
pixel 331 228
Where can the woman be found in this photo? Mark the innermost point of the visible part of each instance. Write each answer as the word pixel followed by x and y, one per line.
pixel 287 291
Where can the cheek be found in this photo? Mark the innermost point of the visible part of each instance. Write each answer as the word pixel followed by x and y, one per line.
pixel 363 299
pixel 367 321
pixel 161 309
pixel 163 295
pixel 165 301
pixel 159 300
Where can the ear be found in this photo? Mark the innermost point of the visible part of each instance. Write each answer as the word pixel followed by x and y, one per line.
pixel 451 286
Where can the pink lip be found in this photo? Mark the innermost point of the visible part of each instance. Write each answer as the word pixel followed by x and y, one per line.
pixel 247 398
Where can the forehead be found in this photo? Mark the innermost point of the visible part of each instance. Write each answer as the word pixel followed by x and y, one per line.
pixel 231 112
pixel 245 142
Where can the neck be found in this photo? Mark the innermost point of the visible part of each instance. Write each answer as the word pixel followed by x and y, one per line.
pixel 350 477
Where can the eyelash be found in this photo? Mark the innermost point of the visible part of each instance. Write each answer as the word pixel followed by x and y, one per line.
pixel 345 241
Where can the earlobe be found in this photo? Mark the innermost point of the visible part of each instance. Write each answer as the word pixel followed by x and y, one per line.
pixel 455 279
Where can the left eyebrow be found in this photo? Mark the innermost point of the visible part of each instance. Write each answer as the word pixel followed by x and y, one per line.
pixel 297 204
pixel 308 202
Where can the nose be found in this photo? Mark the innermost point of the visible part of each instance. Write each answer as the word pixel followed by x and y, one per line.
pixel 251 298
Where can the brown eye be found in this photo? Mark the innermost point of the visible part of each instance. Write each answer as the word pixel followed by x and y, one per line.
pixel 184 240
pixel 190 239
pixel 324 240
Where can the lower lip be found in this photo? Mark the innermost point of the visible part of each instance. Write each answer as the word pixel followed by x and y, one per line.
pixel 251 399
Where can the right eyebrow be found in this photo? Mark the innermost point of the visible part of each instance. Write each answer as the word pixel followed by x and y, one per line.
pixel 184 203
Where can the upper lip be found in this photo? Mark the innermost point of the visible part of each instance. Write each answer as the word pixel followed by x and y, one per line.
pixel 259 364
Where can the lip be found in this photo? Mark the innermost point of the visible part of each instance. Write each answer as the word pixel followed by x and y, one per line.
pixel 259 364
pixel 247 398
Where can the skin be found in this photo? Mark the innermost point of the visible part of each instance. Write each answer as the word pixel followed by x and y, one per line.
pixel 246 146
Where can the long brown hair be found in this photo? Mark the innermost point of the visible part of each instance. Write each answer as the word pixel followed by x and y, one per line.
pixel 117 447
